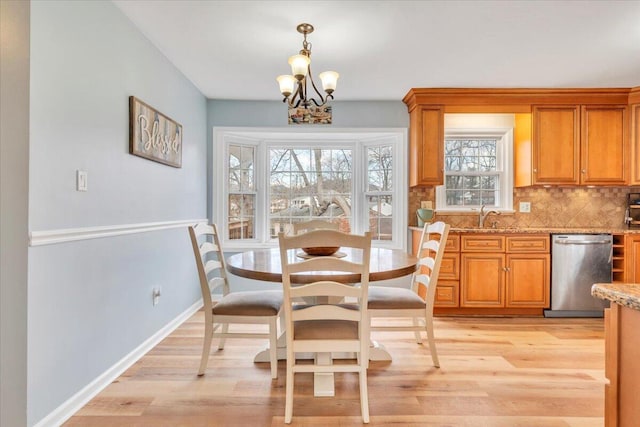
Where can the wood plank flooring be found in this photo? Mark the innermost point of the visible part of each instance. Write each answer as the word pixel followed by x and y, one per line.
pixel 495 372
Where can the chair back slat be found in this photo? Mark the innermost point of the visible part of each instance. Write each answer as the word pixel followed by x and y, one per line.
pixel 217 282
pixel 314 224
pixel 325 288
pixel 212 265
pixel 324 238
pixel 207 247
pixel 325 263
pixel 326 312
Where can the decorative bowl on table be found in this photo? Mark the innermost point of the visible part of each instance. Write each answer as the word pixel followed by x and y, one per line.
pixel 321 250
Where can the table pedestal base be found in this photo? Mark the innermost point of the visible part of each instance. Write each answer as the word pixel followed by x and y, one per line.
pixel 323 383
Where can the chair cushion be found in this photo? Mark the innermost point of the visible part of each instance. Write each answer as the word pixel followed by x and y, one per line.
pixel 250 303
pixel 385 298
pixel 325 330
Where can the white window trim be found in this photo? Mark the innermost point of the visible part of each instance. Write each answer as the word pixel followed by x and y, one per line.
pixel 504 167
pixel 262 138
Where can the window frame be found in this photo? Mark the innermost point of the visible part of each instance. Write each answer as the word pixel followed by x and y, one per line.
pixel 504 168
pixel 265 138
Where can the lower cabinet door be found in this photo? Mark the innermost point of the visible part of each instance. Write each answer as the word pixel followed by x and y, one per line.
pixel 482 279
pixel 447 294
pixel 632 255
pixel 528 280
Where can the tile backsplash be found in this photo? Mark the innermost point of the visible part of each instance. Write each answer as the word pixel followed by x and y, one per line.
pixel 555 207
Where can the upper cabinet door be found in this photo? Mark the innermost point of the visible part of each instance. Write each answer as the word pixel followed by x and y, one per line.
pixel 603 149
pixel 635 144
pixel 426 151
pixel 556 144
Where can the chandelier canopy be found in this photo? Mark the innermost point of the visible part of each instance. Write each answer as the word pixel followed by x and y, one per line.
pixel 301 70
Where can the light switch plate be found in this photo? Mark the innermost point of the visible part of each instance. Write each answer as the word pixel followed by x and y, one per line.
pixel 81 180
pixel 525 207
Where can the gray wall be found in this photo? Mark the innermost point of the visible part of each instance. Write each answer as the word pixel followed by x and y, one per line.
pixel 14 190
pixel 90 301
pixel 346 114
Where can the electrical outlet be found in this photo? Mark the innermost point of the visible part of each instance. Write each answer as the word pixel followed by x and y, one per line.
pixel 525 207
pixel 156 296
pixel 426 204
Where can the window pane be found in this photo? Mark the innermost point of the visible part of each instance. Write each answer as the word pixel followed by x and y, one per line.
pixel 486 164
pixel 489 182
pixel 380 166
pixel 280 160
pixel 380 217
pixel 315 183
pixel 488 148
pixel 471 182
pixel 241 213
pixel 302 160
pixel 488 198
pixel 454 197
pixel 241 160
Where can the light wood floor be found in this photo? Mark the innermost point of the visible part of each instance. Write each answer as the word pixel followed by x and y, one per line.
pixel 501 372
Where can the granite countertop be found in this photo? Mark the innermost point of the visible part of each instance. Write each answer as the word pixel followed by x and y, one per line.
pixel 538 230
pixel 625 294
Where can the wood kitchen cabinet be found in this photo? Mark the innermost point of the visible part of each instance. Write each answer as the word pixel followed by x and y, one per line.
pixel 635 139
pixel 426 146
pixel 580 144
pixel 528 283
pixel 556 145
pixel 482 280
pixel 632 258
pixel 482 270
pixel 622 366
pixel 578 136
pixel 510 271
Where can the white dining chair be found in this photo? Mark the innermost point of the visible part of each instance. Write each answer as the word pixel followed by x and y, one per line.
pixel 326 327
pixel 247 307
pixel 417 302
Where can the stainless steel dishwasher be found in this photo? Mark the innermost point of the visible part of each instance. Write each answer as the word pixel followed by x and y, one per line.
pixel 577 262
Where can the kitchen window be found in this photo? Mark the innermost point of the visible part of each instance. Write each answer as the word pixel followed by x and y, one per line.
pixel 478 170
pixel 267 180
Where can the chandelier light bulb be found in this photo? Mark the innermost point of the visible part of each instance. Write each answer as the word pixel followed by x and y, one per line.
pixel 286 83
pixel 329 80
pixel 299 66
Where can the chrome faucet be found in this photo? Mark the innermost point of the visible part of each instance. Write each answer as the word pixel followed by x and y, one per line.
pixel 483 215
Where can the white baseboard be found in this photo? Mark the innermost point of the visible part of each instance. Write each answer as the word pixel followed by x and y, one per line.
pixel 81 398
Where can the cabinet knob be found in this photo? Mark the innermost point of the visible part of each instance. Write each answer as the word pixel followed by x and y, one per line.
pixel 584 171
pixel 535 170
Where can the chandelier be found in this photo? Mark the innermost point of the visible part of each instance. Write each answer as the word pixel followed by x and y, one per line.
pixel 301 70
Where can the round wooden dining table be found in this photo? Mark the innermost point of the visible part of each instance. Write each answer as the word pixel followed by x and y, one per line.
pixel 264 264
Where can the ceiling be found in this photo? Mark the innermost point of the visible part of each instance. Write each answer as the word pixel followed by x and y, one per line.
pixel 235 49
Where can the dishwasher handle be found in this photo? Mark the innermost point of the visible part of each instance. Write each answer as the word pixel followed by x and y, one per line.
pixel 582 242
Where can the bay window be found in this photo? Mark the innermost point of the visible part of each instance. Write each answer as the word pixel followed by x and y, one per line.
pixel 266 180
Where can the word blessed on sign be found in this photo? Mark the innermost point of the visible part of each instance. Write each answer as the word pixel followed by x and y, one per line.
pixel 153 135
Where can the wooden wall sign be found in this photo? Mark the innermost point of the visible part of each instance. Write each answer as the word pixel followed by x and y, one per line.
pixel 311 115
pixel 153 135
